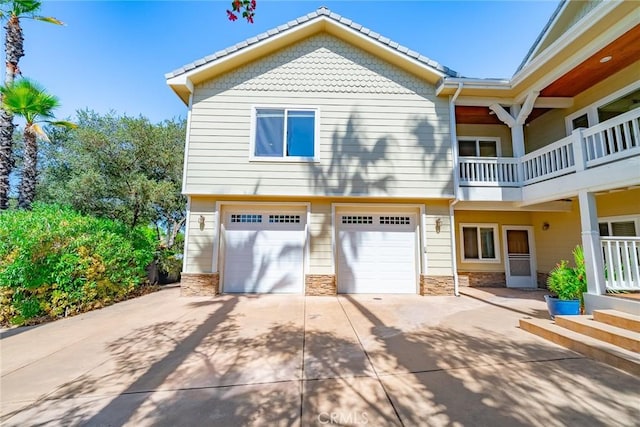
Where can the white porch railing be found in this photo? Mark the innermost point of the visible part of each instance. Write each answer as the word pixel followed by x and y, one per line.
pixel 553 160
pixel 613 139
pixel 489 171
pixel 609 141
pixel 621 256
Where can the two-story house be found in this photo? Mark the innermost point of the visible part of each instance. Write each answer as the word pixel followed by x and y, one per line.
pixel 322 157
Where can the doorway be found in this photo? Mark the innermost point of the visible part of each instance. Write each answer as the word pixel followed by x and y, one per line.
pixel 520 259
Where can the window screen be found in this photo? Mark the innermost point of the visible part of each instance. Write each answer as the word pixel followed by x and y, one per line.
pixel 269 133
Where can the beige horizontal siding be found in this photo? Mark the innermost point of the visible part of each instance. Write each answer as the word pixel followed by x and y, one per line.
pixel 321 250
pixel 438 245
pixel 199 242
pixel 383 132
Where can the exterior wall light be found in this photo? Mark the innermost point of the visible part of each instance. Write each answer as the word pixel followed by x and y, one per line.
pixel 545 226
pixel 438 225
pixel 201 222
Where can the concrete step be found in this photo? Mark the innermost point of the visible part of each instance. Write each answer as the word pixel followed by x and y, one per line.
pixel 602 351
pixel 618 318
pixel 586 325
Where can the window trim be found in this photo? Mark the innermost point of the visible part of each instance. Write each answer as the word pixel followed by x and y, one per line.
pixel 496 243
pixel 591 110
pixel 620 218
pixel 284 158
pixel 477 140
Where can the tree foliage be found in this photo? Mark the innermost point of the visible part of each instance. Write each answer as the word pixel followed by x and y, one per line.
pixel 12 11
pixel 118 167
pixel 245 8
pixel 55 262
pixel 27 99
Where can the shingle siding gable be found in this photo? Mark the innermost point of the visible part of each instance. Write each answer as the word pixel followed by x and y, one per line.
pixel 328 65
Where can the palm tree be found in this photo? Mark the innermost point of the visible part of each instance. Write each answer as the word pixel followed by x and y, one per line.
pixel 28 100
pixel 12 11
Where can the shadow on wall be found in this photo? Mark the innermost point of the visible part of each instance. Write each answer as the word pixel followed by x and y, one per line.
pixel 437 159
pixel 352 172
pixel 251 265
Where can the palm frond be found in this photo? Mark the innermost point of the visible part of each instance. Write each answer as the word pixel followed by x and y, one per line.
pixel 27 99
pixel 37 129
pixel 63 124
pixel 23 7
pixel 49 19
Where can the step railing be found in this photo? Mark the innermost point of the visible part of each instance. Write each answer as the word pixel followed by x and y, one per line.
pixel 621 257
pixel 609 141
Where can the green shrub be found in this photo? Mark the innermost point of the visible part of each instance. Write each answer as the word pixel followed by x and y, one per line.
pixel 55 262
pixel 569 282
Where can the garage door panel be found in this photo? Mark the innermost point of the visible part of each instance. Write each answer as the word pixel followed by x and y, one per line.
pixel 264 253
pixel 377 253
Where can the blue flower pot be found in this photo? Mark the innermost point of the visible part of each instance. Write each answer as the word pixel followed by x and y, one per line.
pixel 562 307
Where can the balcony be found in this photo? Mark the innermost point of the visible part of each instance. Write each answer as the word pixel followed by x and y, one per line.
pixel 608 142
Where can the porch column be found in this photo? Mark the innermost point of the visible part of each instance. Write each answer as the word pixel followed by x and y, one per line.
pixel 517 133
pixel 591 243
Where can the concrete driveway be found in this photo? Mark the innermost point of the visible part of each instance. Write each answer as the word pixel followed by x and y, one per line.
pixel 290 360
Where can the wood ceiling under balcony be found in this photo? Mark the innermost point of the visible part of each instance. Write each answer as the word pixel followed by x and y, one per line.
pixel 624 51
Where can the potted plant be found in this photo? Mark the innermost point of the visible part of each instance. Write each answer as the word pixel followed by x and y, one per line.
pixel 568 284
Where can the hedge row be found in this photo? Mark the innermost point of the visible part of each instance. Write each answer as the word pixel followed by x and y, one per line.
pixel 56 262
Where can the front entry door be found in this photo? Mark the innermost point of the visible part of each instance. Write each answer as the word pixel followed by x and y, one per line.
pixel 520 260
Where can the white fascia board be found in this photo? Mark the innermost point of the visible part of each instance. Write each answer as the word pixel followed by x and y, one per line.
pixel 240 52
pixel 395 52
pixel 471 83
pixel 543 37
pixel 187 77
pixel 586 23
pixel 541 102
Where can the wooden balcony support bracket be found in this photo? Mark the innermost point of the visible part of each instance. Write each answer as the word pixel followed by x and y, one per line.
pixel 527 107
pixel 503 115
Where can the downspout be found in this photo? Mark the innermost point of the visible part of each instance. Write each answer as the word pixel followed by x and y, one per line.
pixel 456 183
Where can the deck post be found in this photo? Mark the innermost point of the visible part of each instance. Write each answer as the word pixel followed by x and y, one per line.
pixel 591 243
pixel 517 142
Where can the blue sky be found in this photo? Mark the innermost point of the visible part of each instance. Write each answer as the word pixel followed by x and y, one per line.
pixel 113 55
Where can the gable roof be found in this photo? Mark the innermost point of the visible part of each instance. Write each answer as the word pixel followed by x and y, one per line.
pixel 545 30
pixel 183 79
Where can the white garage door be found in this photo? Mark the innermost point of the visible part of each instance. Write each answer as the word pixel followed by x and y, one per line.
pixel 264 252
pixel 377 253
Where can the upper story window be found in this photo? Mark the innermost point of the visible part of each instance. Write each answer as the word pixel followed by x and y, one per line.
pixel 607 108
pixel 469 146
pixel 285 134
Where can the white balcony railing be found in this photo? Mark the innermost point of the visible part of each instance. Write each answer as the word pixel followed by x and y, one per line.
pixel 621 257
pixel 609 141
pixel 549 162
pixel 489 171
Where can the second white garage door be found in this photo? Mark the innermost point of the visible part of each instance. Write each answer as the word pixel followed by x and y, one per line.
pixel 377 253
pixel 264 251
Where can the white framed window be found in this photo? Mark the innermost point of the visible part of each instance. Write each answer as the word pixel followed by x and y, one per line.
pixel 479 243
pixel 606 108
pixel 478 146
pixel 285 134
pixel 620 226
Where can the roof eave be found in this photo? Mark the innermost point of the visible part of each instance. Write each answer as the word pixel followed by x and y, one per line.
pixel 183 79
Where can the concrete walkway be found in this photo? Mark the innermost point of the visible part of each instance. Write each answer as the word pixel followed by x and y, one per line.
pixel 290 360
